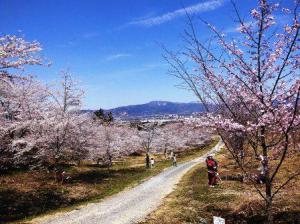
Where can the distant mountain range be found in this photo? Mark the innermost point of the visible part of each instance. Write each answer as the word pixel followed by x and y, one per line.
pixel 157 108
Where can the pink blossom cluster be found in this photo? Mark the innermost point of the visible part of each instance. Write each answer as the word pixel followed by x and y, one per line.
pixel 249 85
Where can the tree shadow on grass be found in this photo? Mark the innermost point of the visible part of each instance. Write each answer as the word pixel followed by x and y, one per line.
pixel 97 176
pixel 92 176
pixel 15 205
pixel 291 217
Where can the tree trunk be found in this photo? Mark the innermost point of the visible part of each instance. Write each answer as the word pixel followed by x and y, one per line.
pixel 147 160
pixel 270 218
pixel 165 152
pixel 109 165
pixel 268 189
pixel 268 183
pixel 109 158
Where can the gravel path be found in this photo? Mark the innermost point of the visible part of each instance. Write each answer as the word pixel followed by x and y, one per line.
pixel 128 206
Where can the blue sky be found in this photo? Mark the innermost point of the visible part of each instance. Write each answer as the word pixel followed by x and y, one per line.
pixel 111 46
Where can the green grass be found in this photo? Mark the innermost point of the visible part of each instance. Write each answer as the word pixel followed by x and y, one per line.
pixel 24 196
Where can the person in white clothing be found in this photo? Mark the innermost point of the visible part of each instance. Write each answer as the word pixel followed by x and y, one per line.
pixel 174 160
pixel 151 162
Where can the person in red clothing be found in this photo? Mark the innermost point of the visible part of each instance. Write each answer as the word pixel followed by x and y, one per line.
pixel 212 168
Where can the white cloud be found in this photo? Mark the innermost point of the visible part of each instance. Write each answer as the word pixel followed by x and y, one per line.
pixel 197 8
pixel 117 56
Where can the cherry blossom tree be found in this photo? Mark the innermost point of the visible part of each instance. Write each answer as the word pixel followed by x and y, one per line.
pixel 16 117
pixel 111 142
pixel 171 137
pixel 64 134
pixel 179 136
pixel 83 137
pixel 130 140
pixel 165 139
pixel 15 53
pixel 20 98
pixel 147 135
pixel 250 88
pixel 29 104
pixel 68 97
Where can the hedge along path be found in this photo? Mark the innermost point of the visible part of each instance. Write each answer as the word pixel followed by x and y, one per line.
pixel 132 205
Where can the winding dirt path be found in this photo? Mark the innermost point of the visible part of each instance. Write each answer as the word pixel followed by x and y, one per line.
pixel 128 206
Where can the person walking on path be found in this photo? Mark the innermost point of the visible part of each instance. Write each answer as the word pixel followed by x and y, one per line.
pixel 212 169
pixel 151 162
pixel 174 160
